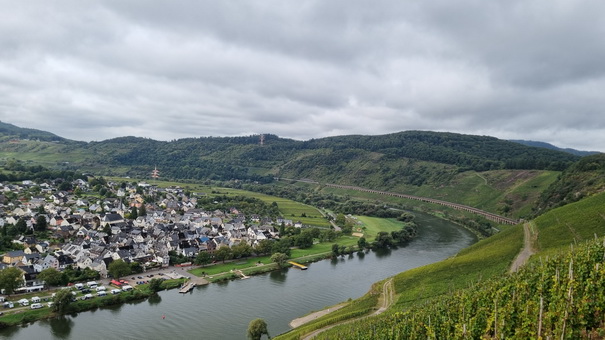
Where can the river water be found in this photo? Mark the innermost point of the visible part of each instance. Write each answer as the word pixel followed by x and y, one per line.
pixel 223 310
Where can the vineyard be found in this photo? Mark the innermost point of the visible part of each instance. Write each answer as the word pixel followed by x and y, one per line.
pixel 560 297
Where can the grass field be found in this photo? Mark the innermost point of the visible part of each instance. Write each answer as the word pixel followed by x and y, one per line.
pixel 370 226
pixel 289 208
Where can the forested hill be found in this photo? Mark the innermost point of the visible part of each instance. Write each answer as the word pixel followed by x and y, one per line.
pixel 466 151
pixel 413 157
pixel 8 131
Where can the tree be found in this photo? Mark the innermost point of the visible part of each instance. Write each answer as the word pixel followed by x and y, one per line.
pixel 279 259
pixel 21 226
pixel 256 329
pixel 406 217
pixel 41 223
pixel 135 267
pixel 10 279
pixel 328 235
pixel 65 186
pixel 335 249
pixel 62 300
pixel 340 220
pixel 362 243
pixel 202 258
pixel 223 253
pixel 51 277
pixel 155 285
pixel 263 247
pixel 383 240
pixel 119 268
pixel 142 210
pixel 133 213
pixel 107 229
pixel 305 239
pixel 243 249
pixel 281 246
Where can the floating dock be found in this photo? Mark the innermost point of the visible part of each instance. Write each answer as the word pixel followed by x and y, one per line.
pixel 187 287
pixel 298 265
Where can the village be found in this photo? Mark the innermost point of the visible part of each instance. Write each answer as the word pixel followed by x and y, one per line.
pixel 90 233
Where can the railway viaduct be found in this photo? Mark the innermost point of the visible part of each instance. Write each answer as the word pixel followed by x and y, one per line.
pixel 488 215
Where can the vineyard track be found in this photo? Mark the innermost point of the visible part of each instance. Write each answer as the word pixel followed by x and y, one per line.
pixel 388 297
pixel 527 251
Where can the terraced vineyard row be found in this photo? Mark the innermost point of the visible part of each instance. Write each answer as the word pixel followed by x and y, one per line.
pixel 561 297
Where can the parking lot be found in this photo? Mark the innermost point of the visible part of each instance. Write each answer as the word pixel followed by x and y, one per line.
pixel 142 278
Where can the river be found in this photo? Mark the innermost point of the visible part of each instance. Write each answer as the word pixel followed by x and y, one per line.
pixel 223 310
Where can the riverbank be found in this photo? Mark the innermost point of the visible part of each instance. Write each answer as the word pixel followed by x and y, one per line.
pixel 278 296
pixel 315 315
pixel 25 315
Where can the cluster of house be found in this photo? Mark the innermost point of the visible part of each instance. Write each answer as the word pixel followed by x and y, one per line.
pixel 171 224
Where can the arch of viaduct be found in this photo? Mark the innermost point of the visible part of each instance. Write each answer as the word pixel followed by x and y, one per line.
pixel 488 215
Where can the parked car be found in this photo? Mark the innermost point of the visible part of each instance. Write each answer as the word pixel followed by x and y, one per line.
pixel 36 306
pixel 116 291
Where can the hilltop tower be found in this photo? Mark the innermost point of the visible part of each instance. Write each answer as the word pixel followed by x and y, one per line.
pixel 262 139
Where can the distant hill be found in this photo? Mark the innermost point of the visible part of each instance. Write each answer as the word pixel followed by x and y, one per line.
pixel 411 157
pixel 8 131
pixel 434 164
pixel 552 147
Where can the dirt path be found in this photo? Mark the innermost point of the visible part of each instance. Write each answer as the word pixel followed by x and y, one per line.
pixel 388 296
pixel 308 318
pixel 528 249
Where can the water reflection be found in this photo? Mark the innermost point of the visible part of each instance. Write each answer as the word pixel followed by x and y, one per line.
pixel 278 276
pixel 61 326
pixel 154 299
pixel 383 252
pixel 10 331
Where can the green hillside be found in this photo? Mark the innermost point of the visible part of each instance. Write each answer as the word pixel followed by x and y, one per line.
pixel 491 174
pixel 584 178
pixel 461 295
pixel 559 298
pixel 560 228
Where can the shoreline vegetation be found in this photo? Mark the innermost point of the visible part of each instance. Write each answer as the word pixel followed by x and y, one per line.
pixel 218 272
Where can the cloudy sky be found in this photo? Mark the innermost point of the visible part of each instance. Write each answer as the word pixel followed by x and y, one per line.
pixel 93 70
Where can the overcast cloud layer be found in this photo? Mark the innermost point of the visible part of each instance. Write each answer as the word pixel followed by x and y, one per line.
pixel 93 70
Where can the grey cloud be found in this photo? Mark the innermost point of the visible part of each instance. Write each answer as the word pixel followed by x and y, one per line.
pixel 512 69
